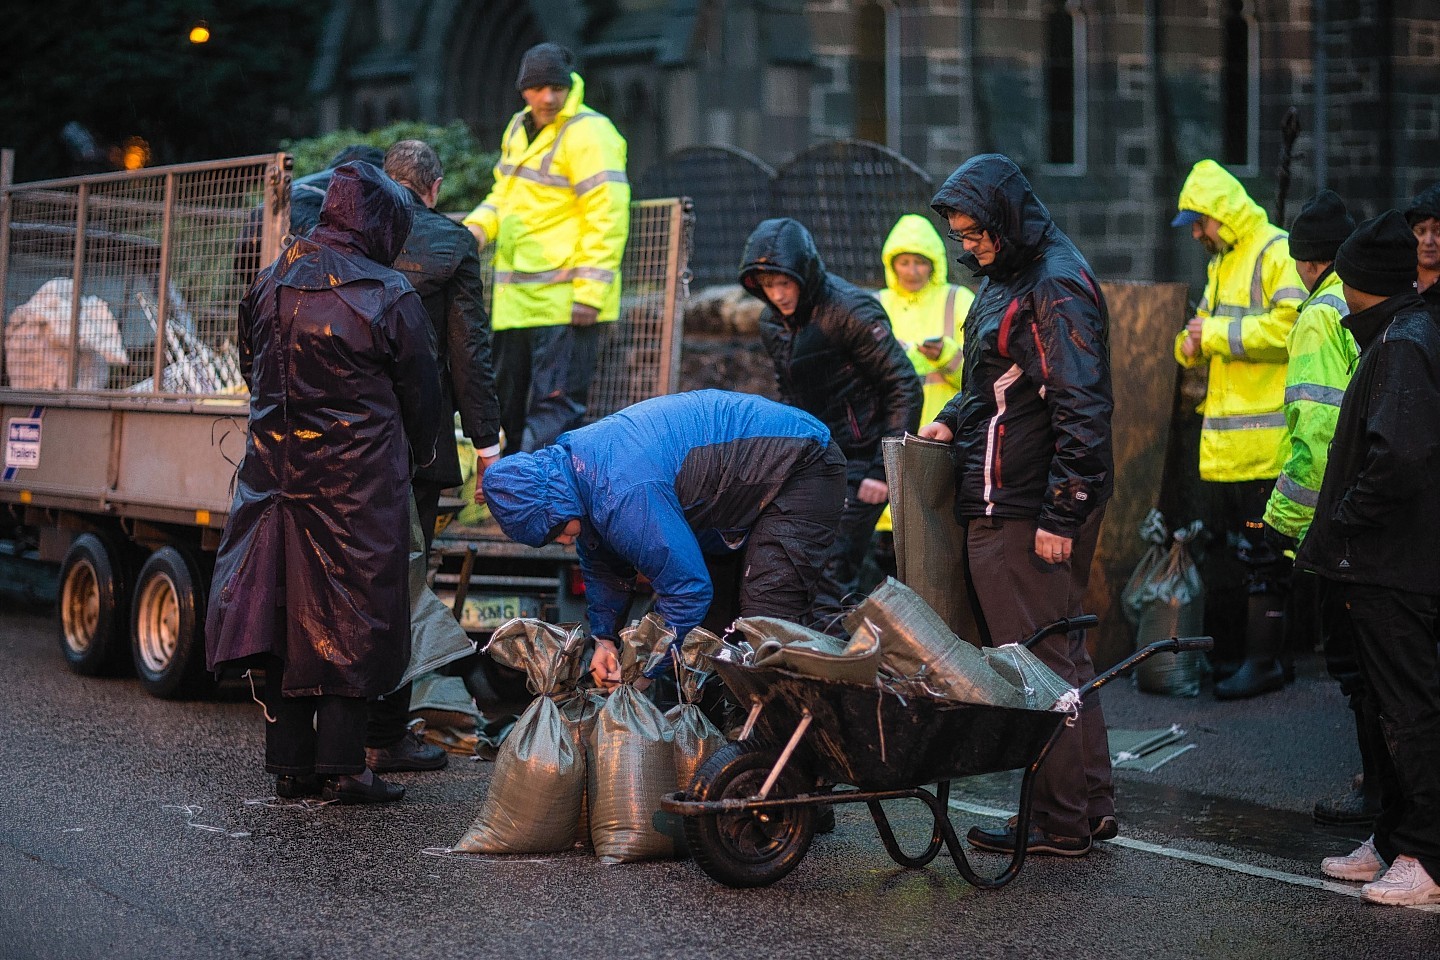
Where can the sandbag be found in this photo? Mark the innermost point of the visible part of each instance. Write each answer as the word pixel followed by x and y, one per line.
pixel 929 541
pixel 580 713
pixel 696 738
pixel 631 759
pixel 1039 686
pixel 533 804
pixel 916 646
pixel 1165 598
pixel 789 646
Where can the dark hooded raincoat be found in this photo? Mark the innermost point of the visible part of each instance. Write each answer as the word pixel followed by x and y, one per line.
pixel 335 347
pixel 835 357
pixel 1032 424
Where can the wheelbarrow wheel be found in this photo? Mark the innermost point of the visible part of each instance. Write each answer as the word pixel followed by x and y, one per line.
pixel 750 848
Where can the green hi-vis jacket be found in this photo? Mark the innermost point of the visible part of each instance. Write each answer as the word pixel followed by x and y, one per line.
pixel 558 217
pixel 1251 295
pixel 1322 358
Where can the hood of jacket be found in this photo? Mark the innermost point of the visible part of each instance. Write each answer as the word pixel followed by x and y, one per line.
pixel 783 246
pixel 913 233
pixel 992 191
pixel 1212 190
pixel 531 495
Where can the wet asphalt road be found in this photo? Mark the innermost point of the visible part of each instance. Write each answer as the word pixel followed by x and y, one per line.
pixel 125 832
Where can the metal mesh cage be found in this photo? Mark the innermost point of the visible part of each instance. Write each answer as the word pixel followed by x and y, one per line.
pixel 146 260
pixel 849 194
pixel 731 191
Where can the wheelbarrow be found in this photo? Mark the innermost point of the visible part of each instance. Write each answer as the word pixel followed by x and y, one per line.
pixel 749 814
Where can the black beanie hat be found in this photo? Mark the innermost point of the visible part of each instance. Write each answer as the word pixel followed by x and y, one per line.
pixel 1425 206
pixel 545 65
pixel 1320 227
pixel 1380 256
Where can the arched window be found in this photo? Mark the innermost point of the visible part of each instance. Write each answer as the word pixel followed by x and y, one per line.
pixel 877 73
pixel 1239 87
pixel 1065 101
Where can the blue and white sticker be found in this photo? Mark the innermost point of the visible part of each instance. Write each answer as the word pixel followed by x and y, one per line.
pixel 22 444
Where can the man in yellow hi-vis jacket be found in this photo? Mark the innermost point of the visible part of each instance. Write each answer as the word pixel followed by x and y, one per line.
pixel 1251 297
pixel 558 218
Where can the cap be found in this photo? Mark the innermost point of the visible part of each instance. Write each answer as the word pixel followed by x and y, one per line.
pixel 1186 217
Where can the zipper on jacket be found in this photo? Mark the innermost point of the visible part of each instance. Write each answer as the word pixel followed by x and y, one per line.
pixel 999 447
pixel 854 424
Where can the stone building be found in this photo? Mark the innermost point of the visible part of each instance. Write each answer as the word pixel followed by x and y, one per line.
pixel 1104 104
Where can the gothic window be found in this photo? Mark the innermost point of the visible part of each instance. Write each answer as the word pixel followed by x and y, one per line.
pixel 1239 87
pixel 876 74
pixel 1065 105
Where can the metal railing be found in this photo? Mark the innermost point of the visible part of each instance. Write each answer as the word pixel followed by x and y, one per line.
pixel 129 281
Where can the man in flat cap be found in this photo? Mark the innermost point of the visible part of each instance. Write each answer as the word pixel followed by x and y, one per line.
pixel 558 218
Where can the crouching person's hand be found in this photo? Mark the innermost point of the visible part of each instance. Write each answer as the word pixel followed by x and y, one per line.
pixel 605 664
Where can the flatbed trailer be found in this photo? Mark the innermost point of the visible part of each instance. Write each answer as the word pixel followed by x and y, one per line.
pixel 123 431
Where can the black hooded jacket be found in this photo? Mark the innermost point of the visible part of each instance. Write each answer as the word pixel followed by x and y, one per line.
pixel 1378 510
pixel 835 356
pixel 313 564
pixel 1032 423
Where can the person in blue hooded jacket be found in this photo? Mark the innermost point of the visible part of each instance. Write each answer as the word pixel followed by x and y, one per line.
pixel 726 502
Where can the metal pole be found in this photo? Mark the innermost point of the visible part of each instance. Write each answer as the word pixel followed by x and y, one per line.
pixel 800 728
pixel 77 278
pixel 7 177
pixel 277 208
pixel 671 322
pixel 167 219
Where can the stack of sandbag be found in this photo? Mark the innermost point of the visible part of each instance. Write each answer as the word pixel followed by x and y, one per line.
pixel 536 793
pixel 1165 598
pixel 632 758
pixel 696 738
pixel 789 646
pixel 918 648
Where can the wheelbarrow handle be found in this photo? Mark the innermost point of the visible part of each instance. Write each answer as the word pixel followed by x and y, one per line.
pixel 1172 645
pixel 1064 625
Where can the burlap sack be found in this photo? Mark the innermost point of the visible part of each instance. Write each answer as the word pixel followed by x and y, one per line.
pixel 917 646
pixel 789 646
pixel 533 804
pixel 631 759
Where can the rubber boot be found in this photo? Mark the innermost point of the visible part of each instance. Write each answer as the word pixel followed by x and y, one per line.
pixel 1264 634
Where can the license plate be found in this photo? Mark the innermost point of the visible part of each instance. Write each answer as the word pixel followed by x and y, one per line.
pixel 486 612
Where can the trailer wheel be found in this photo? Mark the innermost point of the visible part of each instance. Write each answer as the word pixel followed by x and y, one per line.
pixel 167 629
pixel 750 848
pixel 93 604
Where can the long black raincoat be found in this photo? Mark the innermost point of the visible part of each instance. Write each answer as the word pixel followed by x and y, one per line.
pixel 1032 423
pixel 336 349
pixel 835 357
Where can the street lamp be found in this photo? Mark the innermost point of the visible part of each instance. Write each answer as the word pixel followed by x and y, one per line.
pixel 200 33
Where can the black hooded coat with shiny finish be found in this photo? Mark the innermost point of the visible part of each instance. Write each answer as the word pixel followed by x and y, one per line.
pixel 1032 423
pixel 835 356
pixel 335 347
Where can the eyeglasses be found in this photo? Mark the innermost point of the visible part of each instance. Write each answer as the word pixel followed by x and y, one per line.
pixel 973 235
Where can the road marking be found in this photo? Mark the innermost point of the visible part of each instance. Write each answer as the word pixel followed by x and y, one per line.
pixel 1264 873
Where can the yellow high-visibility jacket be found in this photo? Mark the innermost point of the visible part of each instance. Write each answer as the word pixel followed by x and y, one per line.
pixel 1322 359
pixel 938 310
pixel 1252 293
pixel 558 217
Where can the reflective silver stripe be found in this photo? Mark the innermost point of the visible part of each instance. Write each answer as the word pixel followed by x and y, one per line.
pixel 1257 282
pixel 1205 302
pixel 1330 300
pixel 1237 342
pixel 1318 393
pixel 1289 293
pixel 956 362
pixel 1226 310
pixel 1301 495
pixel 950 311
pixel 546 276
pixel 550 154
pixel 1245 421
pixel 594 273
pixel 526 173
pixel 604 176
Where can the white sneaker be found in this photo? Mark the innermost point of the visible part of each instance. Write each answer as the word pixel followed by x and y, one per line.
pixel 1363 864
pixel 1405 884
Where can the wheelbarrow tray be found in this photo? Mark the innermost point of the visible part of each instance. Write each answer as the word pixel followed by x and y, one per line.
pixel 877 740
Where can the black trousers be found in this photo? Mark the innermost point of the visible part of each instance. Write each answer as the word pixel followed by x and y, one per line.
pixel 846 560
pixel 543 376
pixel 312 735
pixel 1228 507
pixel 1017 593
pixel 1395 642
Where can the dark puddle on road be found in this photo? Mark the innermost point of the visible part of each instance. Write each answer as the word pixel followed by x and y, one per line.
pixel 1172 814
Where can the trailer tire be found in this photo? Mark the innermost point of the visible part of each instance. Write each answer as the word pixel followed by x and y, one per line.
pixel 94 606
pixel 168 626
pixel 754 848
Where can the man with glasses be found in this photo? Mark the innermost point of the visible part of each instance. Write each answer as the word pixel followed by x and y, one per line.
pixel 1031 430
pixel 1251 300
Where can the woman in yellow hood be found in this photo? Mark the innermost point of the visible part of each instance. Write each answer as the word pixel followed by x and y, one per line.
pixel 926 313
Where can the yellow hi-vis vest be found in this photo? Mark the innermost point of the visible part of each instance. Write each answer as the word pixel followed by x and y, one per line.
pixel 1251 298
pixel 558 217
pixel 938 310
